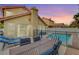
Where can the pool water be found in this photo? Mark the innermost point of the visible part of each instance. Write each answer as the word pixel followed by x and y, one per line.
pixel 63 37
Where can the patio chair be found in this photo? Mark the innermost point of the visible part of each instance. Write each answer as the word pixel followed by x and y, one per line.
pixel 25 41
pixel 37 38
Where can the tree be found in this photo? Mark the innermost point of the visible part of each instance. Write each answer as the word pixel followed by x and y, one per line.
pixel 1 25
pixel 75 23
pixel 76 17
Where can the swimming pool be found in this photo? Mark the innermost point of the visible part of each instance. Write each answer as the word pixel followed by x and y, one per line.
pixel 63 37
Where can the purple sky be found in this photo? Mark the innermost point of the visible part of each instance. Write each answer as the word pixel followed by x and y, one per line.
pixel 60 13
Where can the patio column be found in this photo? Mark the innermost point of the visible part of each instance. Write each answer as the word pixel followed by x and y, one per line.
pixel 30 32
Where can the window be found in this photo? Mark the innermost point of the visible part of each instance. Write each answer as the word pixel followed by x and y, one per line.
pixel 21 30
pixel 11 29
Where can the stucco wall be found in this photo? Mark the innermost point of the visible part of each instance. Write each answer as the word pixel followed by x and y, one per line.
pixel 36 21
pixel 11 26
pixel 28 24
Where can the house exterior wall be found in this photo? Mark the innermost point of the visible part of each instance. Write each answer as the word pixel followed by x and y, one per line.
pixel 38 25
pixel 36 21
pixel 10 12
pixel 24 26
pixel 17 26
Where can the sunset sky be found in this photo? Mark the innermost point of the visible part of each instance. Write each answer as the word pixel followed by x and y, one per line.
pixel 60 13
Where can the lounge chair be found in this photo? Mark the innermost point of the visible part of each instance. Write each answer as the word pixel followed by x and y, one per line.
pixel 53 50
pixel 5 40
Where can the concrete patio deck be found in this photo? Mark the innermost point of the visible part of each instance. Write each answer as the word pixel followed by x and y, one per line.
pixel 71 51
pixel 64 50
